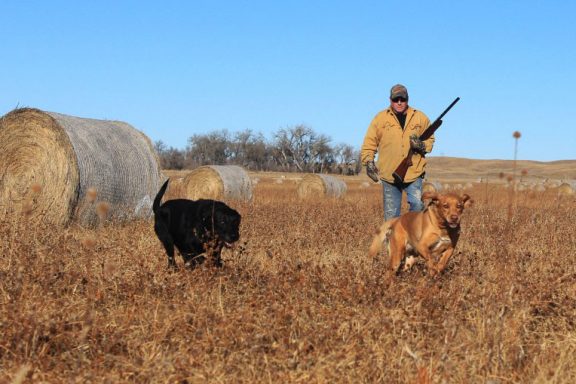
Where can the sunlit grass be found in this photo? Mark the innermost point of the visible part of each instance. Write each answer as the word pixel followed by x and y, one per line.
pixel 297 300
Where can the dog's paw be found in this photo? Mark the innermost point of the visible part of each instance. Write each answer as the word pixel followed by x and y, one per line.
pixel 433 272
pixel 408 263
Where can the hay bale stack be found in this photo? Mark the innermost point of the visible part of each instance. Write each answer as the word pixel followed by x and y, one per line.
pixel 50 161
pixel 319 185
pixel 218 182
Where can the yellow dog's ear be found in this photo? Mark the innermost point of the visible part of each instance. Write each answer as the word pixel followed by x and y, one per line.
pixel 467 200
pixel 429 198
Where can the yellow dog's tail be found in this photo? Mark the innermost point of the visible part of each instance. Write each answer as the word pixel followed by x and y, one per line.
pixel 380 237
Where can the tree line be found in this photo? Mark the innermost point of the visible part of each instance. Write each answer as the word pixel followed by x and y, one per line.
pixel 292 149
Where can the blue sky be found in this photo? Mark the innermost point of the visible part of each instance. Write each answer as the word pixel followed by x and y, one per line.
pixel 177 68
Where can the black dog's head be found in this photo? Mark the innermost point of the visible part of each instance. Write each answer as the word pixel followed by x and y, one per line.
pixel 219 221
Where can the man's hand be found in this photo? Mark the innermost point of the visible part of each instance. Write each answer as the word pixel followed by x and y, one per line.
pixel 372 171
pixel 417 144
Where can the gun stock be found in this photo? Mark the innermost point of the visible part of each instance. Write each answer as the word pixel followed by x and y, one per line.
pixel 402 168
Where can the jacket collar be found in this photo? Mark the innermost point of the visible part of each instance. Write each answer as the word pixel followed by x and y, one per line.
pixel 409 112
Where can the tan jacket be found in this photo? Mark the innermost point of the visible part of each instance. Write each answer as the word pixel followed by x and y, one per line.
pixel 386 137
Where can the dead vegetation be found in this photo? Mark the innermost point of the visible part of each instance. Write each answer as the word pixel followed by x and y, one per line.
pixel 298 300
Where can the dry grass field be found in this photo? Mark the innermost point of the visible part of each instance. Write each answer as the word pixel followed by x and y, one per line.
pixel 298 300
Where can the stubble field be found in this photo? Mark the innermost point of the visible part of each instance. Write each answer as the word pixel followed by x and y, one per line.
pixel 298 300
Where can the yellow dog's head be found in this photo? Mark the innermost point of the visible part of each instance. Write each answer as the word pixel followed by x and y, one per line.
pixel 448 206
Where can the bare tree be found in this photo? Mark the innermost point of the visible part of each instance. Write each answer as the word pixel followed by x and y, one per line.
pixel 159 147
pixel 212 148
pixel 345 159
pixel 174 159
pixel 294 145
pixel 344 153
pixel 249 150
pixel 296 148
pixel 321 153
pixel 170 158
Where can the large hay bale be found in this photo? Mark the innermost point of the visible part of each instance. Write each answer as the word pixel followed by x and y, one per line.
pixel 320 185
pixel 217 182
pixel 50 161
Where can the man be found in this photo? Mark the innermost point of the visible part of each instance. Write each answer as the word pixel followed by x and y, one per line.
pixel 391 134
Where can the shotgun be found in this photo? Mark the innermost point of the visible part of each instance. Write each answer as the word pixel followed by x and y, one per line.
pixel 402 168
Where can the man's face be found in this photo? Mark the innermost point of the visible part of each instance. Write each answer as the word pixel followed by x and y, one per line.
pixel 399 104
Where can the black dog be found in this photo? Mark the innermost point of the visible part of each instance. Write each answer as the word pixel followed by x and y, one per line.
pixel 194 227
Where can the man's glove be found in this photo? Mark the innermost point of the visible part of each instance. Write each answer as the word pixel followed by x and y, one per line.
pixel 372 171
pixel 417 144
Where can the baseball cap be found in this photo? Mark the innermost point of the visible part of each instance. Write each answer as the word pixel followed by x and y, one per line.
pixel 398 91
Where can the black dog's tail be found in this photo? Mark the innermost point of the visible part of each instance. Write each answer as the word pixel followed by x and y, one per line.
pixel 158 197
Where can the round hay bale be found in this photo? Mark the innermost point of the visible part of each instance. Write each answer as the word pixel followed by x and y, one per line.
pixel 565 189
pixel 432 187
pixel 218 182
pixel 539 188
pixel 51 161
pixel 175 189
pixel 314 185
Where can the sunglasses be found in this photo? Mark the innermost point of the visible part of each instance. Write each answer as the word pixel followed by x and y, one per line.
pixel 399 100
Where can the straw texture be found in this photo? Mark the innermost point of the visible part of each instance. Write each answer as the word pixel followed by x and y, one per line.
pixel 320 185
pixel 218 182
pixel 566 189
pixel 175 189
pixel 53 160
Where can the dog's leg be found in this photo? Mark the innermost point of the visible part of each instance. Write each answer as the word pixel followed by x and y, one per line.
pixel 444 259
pixel 217 258
pixel 165 238
pixel 454 235
pixel 213 253
pixel 168 244
pixel 428 257
pixel 423 248
pixel 396 249
pixel 192 260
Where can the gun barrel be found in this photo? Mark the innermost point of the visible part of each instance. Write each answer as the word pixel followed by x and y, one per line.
pixel 448 109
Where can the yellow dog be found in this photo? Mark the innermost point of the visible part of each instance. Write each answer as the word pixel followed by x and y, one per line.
pixel 432 233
